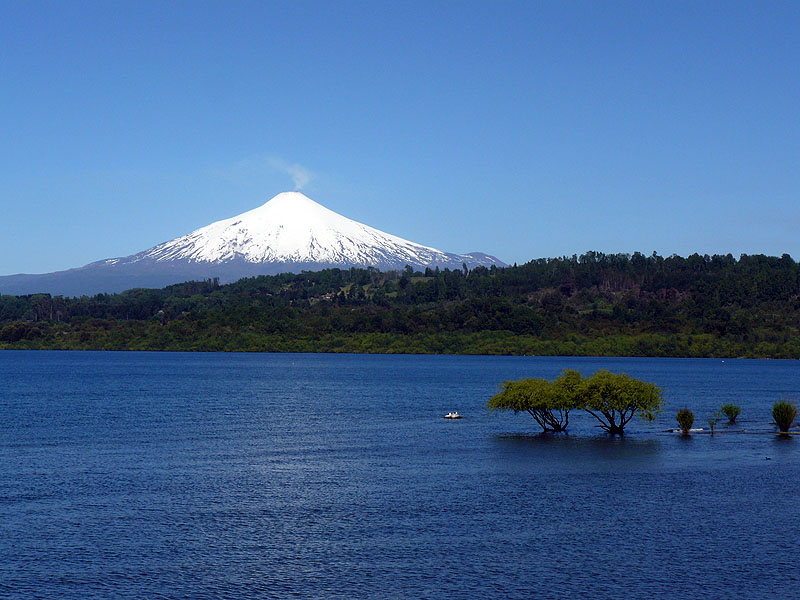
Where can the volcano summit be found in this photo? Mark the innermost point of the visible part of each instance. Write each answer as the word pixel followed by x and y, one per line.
pixel 290 233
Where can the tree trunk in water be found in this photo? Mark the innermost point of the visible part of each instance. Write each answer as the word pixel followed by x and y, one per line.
pixel 616 430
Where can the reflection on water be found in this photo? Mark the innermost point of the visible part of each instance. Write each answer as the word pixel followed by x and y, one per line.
pixel 563 452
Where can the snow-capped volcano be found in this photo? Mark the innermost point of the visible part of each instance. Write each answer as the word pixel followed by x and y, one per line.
pixel 293 229
pixel 290 233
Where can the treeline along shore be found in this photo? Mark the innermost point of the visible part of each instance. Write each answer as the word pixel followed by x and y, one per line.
pixel 594 304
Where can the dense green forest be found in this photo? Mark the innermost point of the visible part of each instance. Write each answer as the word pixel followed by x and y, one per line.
pixel 593 304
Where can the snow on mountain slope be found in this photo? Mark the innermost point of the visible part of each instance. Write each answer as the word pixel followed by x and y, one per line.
pixel 292 228
pixel 290 233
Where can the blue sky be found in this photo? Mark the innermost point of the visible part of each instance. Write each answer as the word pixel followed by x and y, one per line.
pixel 521 129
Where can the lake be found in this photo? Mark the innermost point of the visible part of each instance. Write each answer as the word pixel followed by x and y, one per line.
pixel 180 475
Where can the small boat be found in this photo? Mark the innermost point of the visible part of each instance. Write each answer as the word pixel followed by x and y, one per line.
pixel 452 415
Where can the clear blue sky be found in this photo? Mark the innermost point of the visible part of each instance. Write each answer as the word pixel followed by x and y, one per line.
pixel 521 129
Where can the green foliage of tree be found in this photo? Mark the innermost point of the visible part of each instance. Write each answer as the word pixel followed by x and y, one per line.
pixel 784 413
pixel 593 304
pixel 548 402
pixel 731 411
pixel 15 332
pixel 685 419
pixel 613 399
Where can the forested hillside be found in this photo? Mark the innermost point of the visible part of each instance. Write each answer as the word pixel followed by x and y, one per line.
pixel 594 304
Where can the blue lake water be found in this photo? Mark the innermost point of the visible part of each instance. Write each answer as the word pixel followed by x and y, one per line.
pixel 165 475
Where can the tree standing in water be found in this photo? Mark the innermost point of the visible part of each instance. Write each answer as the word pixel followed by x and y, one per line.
pixel 613 399
pixel 548 402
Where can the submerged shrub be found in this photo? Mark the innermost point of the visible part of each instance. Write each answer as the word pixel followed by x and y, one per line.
pixel 685 420
pixel 731 411
pixel 712 421
pixel 784 413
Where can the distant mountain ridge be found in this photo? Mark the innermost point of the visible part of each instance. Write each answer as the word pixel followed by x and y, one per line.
pixel 290 233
